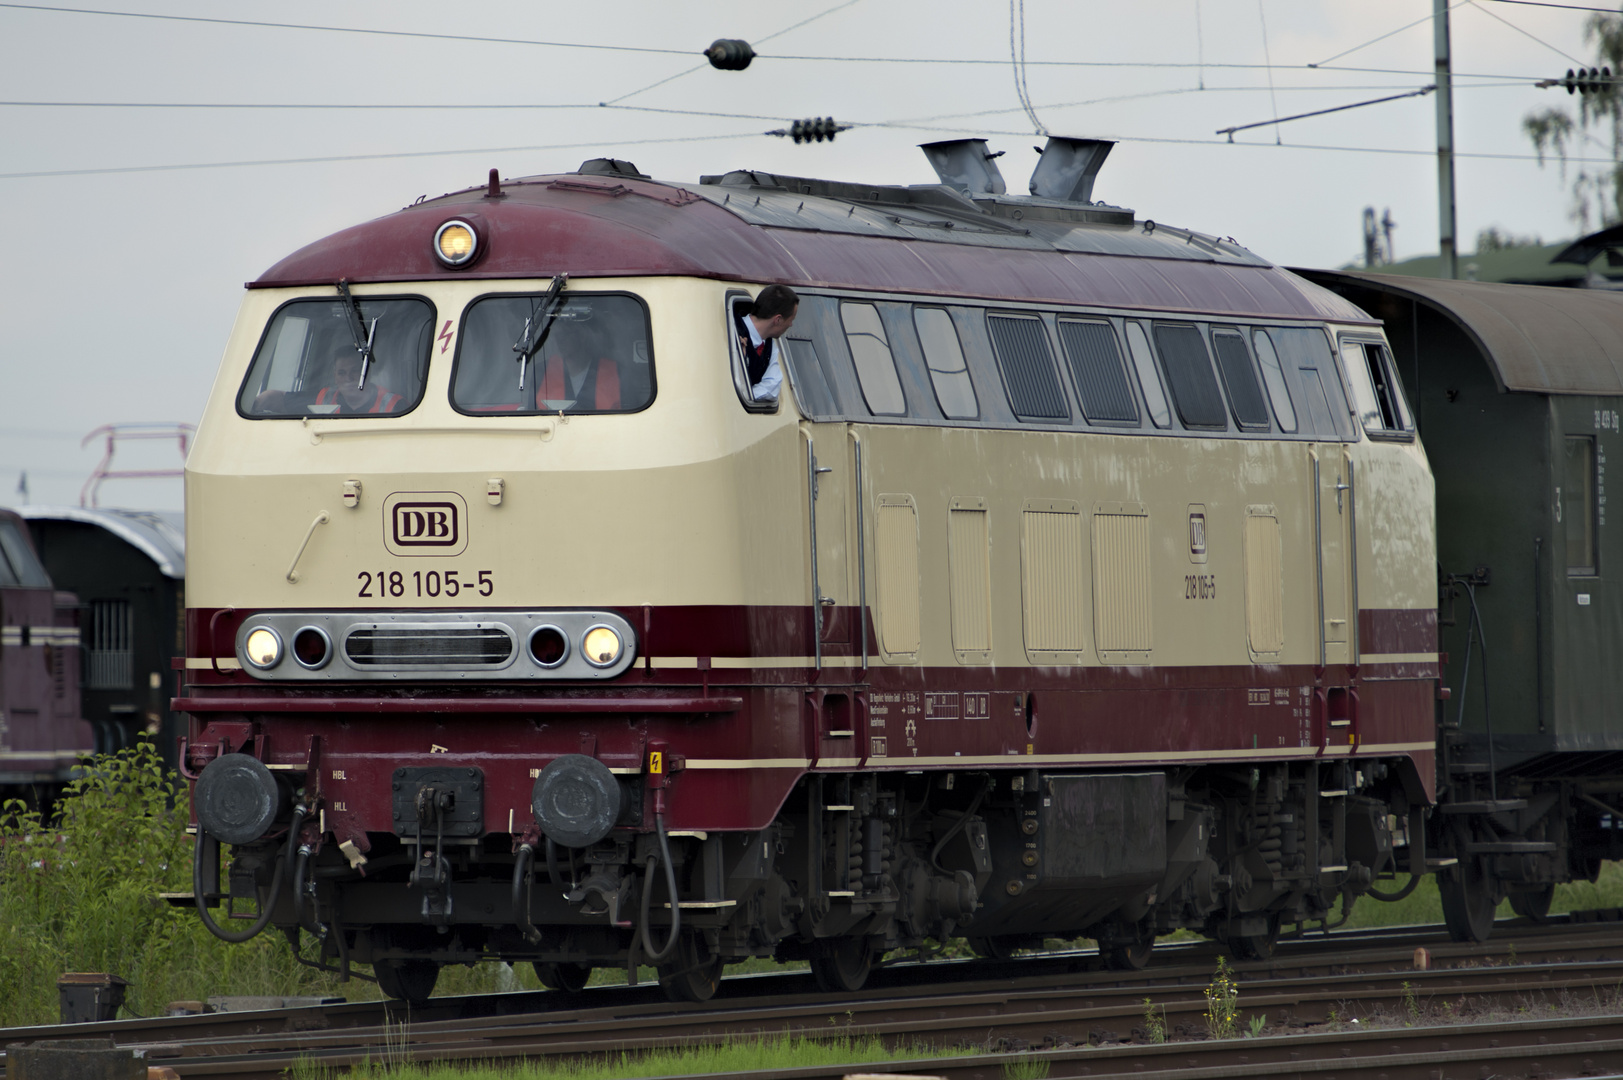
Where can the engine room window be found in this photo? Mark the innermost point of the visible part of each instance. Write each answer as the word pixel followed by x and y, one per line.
pixel 1234 359
pixel 1578 504
pixel 1149 380
pixel 1101 381
pixel 308 363
pixel 876 367
pixel 1021 345
pixel 944 355
pixel 583 353
pixel 1273 374
pixel 1381 408
pixel 1189 373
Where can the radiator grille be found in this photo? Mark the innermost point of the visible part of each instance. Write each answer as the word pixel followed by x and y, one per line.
pixel 1121 581
pixel 448 646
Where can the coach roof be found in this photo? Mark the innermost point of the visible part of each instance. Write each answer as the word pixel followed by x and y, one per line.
pixel 760 227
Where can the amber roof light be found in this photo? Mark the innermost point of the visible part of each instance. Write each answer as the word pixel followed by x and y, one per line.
pixel 456 243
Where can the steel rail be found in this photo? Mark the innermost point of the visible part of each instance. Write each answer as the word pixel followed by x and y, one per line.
pixel 1056 1013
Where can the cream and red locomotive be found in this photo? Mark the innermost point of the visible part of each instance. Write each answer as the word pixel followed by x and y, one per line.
pixel 1079 580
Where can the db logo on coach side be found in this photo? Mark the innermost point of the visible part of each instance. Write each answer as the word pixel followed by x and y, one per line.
pixel 425 523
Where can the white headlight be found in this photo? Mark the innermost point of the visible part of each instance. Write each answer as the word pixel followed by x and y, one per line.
pixel 263 647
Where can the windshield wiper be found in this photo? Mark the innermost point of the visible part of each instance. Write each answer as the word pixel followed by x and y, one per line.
pixel 538 325
pixel 358 330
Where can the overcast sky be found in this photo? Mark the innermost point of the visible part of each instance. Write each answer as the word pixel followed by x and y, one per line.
pixel 126 275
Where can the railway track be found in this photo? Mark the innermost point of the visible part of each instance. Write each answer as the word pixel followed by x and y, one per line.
pixel 1056 1001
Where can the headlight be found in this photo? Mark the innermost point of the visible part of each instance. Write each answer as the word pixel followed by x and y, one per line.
pixel 601 646
pixel 455 243
pixel 263 647
pixel 312 648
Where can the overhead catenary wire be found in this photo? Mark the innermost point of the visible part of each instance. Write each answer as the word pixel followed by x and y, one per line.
pixel 706 64
pixel 1524 33
pixel 263 24
pixel 1273 99
pixel 1424 19
pixel 396 106
pixel 330 158
pixel 1017 59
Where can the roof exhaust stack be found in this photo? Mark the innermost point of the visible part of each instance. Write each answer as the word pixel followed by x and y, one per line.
pixel 1068 168
pixel 966 165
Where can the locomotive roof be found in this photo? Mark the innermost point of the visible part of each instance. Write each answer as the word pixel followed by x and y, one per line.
pixel 762 227
pixel 1537 339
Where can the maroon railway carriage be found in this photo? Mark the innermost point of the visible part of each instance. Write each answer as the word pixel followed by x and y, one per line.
pixel 1078 581
pixel 42 734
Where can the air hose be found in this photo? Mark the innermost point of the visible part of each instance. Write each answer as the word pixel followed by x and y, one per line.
pixel 521 893
pixel 650 954
pixel 201 899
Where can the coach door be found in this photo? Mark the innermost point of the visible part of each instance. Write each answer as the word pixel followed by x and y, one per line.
pixel 1336 524
pixel 829 480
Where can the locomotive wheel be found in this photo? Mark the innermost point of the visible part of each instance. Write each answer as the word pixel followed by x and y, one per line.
pixel 569 978
pixel 1133 956
pixel 1256 946
pixel 842 965
pixel 411 981
pixel 1533 905
pixel 693 973
pixel 1468 901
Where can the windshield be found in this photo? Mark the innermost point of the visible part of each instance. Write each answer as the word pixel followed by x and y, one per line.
pixel 308 364
pixel 593 356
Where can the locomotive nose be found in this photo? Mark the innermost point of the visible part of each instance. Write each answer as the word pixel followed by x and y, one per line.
pixel 576 800
pixel 237 799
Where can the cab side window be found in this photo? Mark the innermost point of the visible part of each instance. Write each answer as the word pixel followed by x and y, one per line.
pixel 1380 405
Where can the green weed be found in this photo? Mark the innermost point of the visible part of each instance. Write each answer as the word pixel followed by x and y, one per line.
pixel 1026 1068
pixel 1222 1003
pixel 1255 1025
pixel 1155 1022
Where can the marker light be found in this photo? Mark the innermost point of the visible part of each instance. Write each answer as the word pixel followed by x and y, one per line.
pixel 263 647
pixel 455 243
pixel 601 646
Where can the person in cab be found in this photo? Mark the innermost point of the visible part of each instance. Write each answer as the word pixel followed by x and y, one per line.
pixel 579 375
pixel 768 319
pixel 347 393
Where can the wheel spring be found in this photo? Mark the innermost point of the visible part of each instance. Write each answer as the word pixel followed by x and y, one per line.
pixel 1267 834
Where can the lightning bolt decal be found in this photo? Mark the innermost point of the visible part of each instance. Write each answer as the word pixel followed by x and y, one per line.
pixel 445 337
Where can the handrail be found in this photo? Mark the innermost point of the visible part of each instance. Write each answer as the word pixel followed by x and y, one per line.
pixel 811 513
pixel 1353 644
pixel 277 702
pixel 1318 546
pixel 293 567
pixel 862 551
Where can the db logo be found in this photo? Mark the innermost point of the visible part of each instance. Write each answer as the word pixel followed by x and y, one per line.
pixel 425 523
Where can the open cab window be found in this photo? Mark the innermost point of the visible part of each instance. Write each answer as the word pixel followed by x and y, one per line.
pixel 1376 394
pixel 588 353
pixel 308 364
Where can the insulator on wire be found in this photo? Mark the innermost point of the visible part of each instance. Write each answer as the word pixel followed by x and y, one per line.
pixel 1588 80
pixel 817 129
pixel 729 54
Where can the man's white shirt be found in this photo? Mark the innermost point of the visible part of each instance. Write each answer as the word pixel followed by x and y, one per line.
pixel 767 388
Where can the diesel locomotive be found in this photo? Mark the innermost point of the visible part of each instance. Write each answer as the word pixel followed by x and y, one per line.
pixel 1079 580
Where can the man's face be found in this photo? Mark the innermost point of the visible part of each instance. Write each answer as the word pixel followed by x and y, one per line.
pixel 777 325
pixel 346 371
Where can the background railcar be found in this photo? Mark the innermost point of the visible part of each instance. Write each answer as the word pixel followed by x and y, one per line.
pixel 1517 390
pixel 42 735
pixel 1061 591
pixel 128 570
